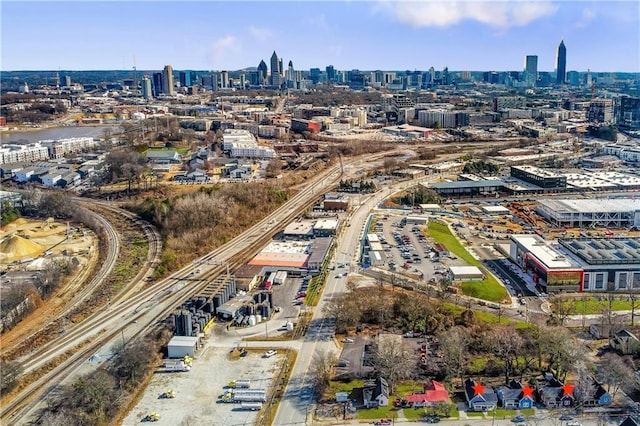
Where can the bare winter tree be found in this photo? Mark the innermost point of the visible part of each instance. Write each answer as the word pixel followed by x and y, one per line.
pixel 455 346
pixel 562 308
pixel 585 386
pixel 10 371
pixel 322 370
pixel 562 350
pixel 507 345
pixel 392 361
pixel 613 372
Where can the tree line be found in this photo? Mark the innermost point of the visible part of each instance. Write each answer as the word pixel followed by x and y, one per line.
pixel 460 338
pixel 195 223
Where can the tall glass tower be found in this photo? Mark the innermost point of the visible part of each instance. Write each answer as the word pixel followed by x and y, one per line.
pixel 561 64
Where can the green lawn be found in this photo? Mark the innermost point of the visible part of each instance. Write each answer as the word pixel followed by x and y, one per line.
pixel 486 317
pixel 402 390
pixel 475 414
pixel 487 289
pixel 595 306
pixel 338 386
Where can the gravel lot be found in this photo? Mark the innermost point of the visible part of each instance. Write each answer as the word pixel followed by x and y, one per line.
pixel 197 391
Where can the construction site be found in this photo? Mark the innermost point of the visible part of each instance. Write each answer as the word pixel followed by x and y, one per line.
pixel 24 244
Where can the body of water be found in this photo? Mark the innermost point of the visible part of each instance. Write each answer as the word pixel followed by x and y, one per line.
pixel 35 135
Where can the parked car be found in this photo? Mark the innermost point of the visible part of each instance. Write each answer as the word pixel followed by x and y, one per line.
pixel 348 340
pixel 269 353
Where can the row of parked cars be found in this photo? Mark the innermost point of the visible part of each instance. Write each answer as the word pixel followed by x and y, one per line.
pixel 302 291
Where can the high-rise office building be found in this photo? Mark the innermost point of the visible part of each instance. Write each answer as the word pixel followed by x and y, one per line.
pixel 224 79
pixel 291 75
pixel 331 73
pixel 167 80
pixel 157 84
pixel 186 78
pixel 147 93
pixel 531 69
pixel 276 71
pixel 561 64
pixel 67 81
pixel 262 73
pixel 627 112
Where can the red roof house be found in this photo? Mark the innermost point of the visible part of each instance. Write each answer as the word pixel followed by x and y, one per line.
pixel 434 392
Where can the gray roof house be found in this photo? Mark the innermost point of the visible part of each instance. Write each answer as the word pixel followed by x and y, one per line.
pixel 164 156
pixel 625 342
pixel 479 397
pixel 375 393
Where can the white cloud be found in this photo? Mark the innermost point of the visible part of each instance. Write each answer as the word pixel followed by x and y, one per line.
pixel 222 46
pixel 588 15
pixel 318 21
pixel 260 34
pixel 497 14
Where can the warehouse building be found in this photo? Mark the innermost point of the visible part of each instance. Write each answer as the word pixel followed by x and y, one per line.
pixel 181 346
pixel 608 263
pixel 579 213
pixel 465 273
pixel 549 268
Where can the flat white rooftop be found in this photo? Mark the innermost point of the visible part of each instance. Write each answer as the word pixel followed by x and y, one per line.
pixel 466 271
pixel 495 209
pixel 596 205
pixel 546 254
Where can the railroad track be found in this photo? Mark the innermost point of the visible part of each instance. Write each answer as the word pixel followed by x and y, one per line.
pixel 169 293
pixel 109 262
pixel 166 292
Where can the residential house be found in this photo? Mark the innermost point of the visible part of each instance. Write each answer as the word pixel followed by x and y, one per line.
pixel 240 172
pixel 433 393
pixel 8 171
pixel 555 394
pixel 599 396
pixel 51 179
pixel 197 176
pixel 625 342
pixel 25 175
pixel 516 395
pixel 163 156
pixel 68 179
pixel 479 397
pixel 604 331
pixel 375 393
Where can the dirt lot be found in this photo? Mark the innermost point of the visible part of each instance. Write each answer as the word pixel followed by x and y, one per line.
pixel 197 391
pixel 24 238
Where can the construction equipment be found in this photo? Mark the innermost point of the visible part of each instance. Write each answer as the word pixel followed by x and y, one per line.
pixel 168 394
pixel 153 417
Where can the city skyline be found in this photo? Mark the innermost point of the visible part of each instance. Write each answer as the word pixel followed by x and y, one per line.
pixel 211 35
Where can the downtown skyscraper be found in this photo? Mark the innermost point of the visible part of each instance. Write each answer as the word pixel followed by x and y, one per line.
pixel 561 64
pixel 167 80
pixel 531 69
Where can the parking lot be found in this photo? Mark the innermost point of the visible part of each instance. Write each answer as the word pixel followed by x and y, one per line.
pixel 409 250
pixel 197 391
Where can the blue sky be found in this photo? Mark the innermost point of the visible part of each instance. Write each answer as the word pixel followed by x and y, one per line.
pixel 367 35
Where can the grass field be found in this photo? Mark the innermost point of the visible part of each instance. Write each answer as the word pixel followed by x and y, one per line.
pixel 486 317
pixel 487 289
pixel 594 306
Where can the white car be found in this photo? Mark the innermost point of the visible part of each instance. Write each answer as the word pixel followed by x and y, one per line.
pixel 269 353
pixel 347 340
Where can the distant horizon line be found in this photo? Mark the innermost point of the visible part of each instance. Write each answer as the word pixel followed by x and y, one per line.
pixel 303 69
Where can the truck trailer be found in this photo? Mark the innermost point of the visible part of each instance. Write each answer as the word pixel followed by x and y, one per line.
pixel 240 384
pixel 252 406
